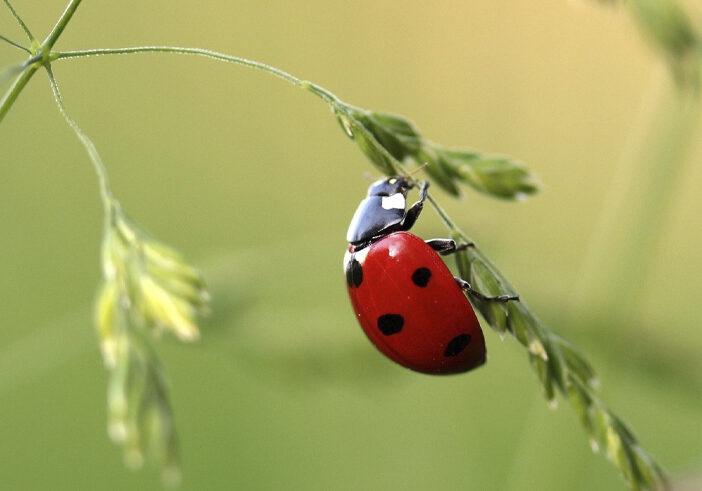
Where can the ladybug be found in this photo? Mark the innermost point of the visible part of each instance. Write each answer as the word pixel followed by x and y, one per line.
pixel 407 301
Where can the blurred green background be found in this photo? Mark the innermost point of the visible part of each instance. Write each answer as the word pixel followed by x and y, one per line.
pixel 253 180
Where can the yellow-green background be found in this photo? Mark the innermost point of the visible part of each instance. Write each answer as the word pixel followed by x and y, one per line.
pixel 254 181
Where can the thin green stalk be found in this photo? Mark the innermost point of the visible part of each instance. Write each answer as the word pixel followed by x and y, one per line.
pixel 59 27
pixel 453 228
pixel 31 37
pixel 100 170
pixel 14 91
pixel 320 92
pixel 15 44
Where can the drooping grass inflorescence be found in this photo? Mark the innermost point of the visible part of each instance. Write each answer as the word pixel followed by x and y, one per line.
pixel 148 288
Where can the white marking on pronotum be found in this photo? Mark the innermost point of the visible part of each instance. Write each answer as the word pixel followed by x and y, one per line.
pixel 394 202
pixel 361 255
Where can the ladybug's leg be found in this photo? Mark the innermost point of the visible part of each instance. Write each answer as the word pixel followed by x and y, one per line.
pixel 413 212
pixel 465 286
pixel 447 246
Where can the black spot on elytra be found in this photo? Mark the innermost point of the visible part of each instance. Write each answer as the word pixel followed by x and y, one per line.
pixel 457 344
pixel 421 276
pixel 354 273
pixel 390 324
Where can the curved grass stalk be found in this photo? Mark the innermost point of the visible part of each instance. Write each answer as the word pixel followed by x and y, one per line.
pixel 237 60
pixel 90 148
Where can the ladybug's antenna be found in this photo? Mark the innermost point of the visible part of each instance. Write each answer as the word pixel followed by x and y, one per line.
pixel 418 169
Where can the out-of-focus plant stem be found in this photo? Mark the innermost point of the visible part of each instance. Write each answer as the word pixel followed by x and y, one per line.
pixel 642 189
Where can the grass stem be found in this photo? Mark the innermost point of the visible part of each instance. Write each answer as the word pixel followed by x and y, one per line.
pixel 24 27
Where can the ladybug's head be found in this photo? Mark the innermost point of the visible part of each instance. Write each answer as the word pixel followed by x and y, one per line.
pixel 382 212
pixel 390 186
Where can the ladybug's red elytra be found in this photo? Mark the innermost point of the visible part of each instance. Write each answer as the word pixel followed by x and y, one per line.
pixel 405 298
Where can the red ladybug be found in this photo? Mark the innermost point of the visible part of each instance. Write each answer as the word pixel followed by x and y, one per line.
pixel 405 298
